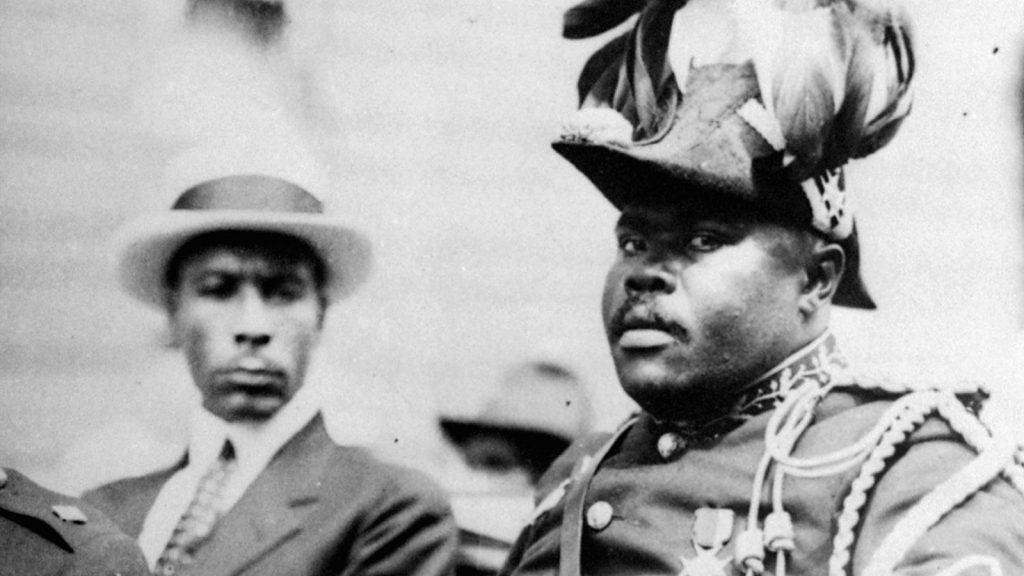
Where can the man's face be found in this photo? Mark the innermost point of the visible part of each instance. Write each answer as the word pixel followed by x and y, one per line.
pixel 247 315
pixel 699 302
pixel 500 459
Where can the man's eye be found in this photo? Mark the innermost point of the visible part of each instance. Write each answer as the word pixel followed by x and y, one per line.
pixel 704 242
pixel 216 287
pixel 284 290
pixel 632 245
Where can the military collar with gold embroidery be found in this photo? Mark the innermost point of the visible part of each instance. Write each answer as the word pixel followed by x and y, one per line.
pixel 821 360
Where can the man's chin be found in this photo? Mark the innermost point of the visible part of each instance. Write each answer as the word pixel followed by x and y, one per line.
pixel 248 409
pixel 644 371
pixel 647 383
pixel 665 395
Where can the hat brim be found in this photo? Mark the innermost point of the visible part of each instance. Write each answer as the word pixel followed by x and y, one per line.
pixel 144 247
pixel 622 176
pixel 537 440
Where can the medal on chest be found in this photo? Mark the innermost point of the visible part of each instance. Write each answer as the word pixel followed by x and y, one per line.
pixel 712 528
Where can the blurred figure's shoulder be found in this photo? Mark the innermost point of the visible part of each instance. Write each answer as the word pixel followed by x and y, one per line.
pixel 45 532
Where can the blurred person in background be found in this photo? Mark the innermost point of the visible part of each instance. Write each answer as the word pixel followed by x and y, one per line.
pixel 719 131
pixel 261 22
pixel 537 411
pixel 540 408
pixel 245 265
pixel 43 533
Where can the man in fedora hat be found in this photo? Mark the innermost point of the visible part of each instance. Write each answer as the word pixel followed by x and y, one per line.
pixel 44 533
pixel 719 130
pixel 245 265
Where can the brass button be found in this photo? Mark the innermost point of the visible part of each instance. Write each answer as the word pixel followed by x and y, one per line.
pixel 599 515
pixel 669 444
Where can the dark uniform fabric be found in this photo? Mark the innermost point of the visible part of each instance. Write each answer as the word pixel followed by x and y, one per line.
pixel 638 509
pixel 317 509
pixel 43 533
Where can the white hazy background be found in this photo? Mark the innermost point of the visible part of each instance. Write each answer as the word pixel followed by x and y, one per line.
pixel 434 119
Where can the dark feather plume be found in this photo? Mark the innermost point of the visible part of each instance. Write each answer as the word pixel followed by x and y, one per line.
pixel 594 17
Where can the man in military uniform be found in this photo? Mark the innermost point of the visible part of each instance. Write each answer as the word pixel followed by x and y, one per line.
pixel 245 265
pixel 43 533
pixel 720 130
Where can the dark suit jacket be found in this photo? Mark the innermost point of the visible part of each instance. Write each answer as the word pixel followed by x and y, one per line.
pixel 317 509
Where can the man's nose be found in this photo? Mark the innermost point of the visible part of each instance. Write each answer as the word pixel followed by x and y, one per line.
pixel 648 277
pixel 254 322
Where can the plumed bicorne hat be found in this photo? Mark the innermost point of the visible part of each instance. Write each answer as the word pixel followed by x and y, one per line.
pixel 301 209
pixel 762 101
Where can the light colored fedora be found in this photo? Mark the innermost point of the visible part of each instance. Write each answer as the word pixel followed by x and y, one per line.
pixel 144 246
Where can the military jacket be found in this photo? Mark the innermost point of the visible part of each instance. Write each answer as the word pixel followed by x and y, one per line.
pixel 657 498
pixel 43 533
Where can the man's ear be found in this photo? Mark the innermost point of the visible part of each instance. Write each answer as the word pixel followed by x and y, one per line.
pixel 824 271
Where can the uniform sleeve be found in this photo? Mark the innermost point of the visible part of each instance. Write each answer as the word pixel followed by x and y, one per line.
pixel 984 536
pixel 411 531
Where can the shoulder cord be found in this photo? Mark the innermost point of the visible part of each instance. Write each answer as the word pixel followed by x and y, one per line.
pixel 906 414
pixel 791 419
pixel 785 426
pixel 998 454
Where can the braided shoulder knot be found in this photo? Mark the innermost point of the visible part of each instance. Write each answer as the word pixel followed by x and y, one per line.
pixel 999 454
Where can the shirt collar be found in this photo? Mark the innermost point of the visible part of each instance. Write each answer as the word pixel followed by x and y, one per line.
pixel 254 444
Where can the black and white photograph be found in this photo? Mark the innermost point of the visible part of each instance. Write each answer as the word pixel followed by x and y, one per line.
pixel 453 287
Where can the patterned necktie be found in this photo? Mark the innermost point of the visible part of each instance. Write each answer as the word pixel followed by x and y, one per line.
pixel 196 524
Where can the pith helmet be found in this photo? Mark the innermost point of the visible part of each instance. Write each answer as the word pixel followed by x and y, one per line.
pixel 541 404
pixel 761 101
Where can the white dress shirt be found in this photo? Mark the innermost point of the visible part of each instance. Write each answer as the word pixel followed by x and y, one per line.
pixel 254 444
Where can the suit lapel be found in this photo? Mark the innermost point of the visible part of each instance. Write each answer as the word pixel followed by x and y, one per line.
pixel 128 502
pixel 137 507
pixel 272 509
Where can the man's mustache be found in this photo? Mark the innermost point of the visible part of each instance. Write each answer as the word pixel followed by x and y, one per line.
pixel 633 315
